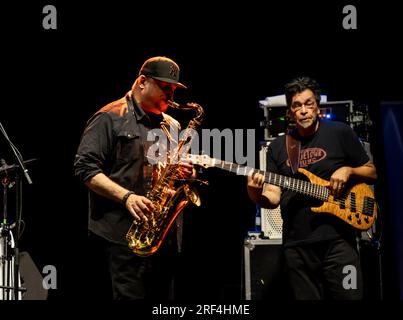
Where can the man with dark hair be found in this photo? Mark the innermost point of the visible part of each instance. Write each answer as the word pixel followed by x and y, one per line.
pixel 111 160
pixel 317 246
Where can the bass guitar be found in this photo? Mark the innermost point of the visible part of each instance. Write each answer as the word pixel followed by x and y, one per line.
pixel 356 205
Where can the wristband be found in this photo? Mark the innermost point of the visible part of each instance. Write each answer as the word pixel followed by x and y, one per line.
pixel 126 196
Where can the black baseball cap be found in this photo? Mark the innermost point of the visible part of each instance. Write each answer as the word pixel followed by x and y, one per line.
pixel 163 69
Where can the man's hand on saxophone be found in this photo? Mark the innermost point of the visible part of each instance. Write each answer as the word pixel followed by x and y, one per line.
pixel 186 169
pixel 140 207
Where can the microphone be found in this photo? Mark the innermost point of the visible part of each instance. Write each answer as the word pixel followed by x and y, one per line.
pixel 3 165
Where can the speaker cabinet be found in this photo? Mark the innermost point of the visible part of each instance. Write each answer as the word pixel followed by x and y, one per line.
pixel 264 271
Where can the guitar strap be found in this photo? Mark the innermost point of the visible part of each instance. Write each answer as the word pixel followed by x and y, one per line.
pixel 293 150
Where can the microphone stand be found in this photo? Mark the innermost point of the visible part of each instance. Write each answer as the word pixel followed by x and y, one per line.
pixel 5 228
pixel 18 208
pixel 4 243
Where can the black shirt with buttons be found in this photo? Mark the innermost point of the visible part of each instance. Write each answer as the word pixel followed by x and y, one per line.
pixel 113 143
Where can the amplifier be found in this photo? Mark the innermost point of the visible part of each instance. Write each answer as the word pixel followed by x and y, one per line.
pixel 264 272
pixel 270 219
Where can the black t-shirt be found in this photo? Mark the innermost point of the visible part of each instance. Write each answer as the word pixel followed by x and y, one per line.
pixel 332 146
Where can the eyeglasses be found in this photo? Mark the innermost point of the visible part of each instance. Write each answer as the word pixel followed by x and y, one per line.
pixel 309 104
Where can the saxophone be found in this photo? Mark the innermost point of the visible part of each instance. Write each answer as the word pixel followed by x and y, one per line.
pixel 169 194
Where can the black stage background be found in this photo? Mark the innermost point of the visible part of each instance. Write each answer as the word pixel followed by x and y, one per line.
pixel 231 56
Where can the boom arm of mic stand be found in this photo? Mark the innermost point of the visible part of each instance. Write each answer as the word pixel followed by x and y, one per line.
pixel 16 154
pixel 22 166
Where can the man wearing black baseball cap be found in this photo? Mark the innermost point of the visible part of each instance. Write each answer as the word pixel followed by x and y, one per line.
pixel 111 161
